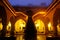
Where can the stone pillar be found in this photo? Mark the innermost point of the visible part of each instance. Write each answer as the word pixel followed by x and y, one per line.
pixel 12 20
pixel 4 20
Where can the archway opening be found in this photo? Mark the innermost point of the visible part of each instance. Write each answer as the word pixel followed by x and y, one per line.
pixel 9 26
pixel 20 25
pixel 40 26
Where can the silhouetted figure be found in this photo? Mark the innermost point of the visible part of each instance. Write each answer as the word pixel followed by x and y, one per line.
pixel 30 31
pixel 56 19
pixel 4 20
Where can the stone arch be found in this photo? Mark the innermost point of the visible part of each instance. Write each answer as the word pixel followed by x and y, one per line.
pixel 13 20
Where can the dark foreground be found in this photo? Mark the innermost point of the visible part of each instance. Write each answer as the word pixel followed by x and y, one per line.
pixel 39 37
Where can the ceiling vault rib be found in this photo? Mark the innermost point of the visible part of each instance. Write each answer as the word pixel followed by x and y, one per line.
pixel 52 7
pixel 9 8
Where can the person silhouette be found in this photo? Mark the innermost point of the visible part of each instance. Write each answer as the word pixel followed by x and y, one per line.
pixel 30 30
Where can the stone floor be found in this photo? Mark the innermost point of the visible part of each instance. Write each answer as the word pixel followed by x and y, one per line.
pixel 39 37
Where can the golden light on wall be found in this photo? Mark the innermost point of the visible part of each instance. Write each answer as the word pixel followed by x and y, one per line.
pixel 50 28
pixel 20 25
pixel 40 25
pixel 42 12
pixel 9 26
pixel 39 13
pixel 58 28
pixel 1 26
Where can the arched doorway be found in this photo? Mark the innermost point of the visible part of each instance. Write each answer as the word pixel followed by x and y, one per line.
pixel 20 26
pixel 17 23
pixel 40 26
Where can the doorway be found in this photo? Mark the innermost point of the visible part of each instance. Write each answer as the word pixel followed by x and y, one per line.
pixel 20 26
pixel 40 26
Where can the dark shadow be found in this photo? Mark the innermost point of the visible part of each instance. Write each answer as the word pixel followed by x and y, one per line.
pixel 12 20
pixel 4 20
pixel 30 31
pixel 7 38
pixel 3 16
pixel 53 38
pixel 56 19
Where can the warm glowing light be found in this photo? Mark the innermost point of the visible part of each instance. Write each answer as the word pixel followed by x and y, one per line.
pixel 49 36
pixel 58 28
pixel 9 26
pixel 50 26
pixel 1 26
pixel 38 36
pixel 39 25
pixel 20 25
pixel 42 12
